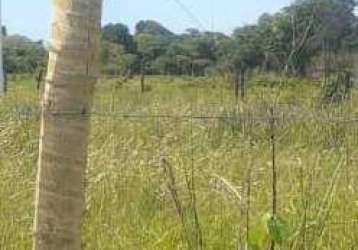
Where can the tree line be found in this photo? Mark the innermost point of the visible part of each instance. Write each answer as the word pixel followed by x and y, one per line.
pixel 307 37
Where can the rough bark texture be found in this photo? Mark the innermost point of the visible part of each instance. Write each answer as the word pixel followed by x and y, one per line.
pixel 72 74
pixel 2 78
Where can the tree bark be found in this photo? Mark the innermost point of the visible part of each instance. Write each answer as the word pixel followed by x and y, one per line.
pixel 72 73
pixel 2 77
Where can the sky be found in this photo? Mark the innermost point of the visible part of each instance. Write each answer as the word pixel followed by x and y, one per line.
pixel 32 17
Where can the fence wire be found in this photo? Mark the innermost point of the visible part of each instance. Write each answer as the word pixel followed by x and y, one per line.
pixel 206 174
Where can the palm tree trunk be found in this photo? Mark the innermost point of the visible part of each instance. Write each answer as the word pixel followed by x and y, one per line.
pixel 2 78
pixel 72 73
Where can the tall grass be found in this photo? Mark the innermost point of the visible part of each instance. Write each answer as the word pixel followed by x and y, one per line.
pixel 169 183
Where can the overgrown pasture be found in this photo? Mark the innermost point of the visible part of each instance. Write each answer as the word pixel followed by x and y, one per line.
pixel 185 166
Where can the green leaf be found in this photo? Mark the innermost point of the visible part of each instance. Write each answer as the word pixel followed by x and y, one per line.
pixel 278 229
pixel 258 237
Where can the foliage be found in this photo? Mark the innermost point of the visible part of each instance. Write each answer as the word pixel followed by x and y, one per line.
pixel 278 229
pixel 119 34
pixel 153 28
pixel 21 55
pixel 115 60
pixel 289 41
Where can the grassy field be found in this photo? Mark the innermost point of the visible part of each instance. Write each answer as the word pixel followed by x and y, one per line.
pixel 190 169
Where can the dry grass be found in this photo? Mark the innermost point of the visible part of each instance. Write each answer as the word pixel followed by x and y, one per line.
pixel 130 201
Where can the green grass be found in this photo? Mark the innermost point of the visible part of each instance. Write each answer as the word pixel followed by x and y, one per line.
pixel 129 202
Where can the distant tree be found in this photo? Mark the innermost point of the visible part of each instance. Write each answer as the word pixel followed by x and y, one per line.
pixel 193 31
pixel 4 31
pixel 248 46
pixel 240 53
pixel 179 59
pixel 288 41
pixel 200 48
pixel 151 27
pixel 164 65
pixel 273 36
pixel 336 21
pixel 150 47
pixel 318 26
pixel 119 34
pixel 115 61
pixel 22 55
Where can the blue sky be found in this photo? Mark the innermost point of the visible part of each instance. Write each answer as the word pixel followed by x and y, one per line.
pixel 32 17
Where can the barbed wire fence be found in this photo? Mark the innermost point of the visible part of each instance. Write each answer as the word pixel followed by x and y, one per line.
pixel 188 189
pixel 265 126
pixel 273 130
